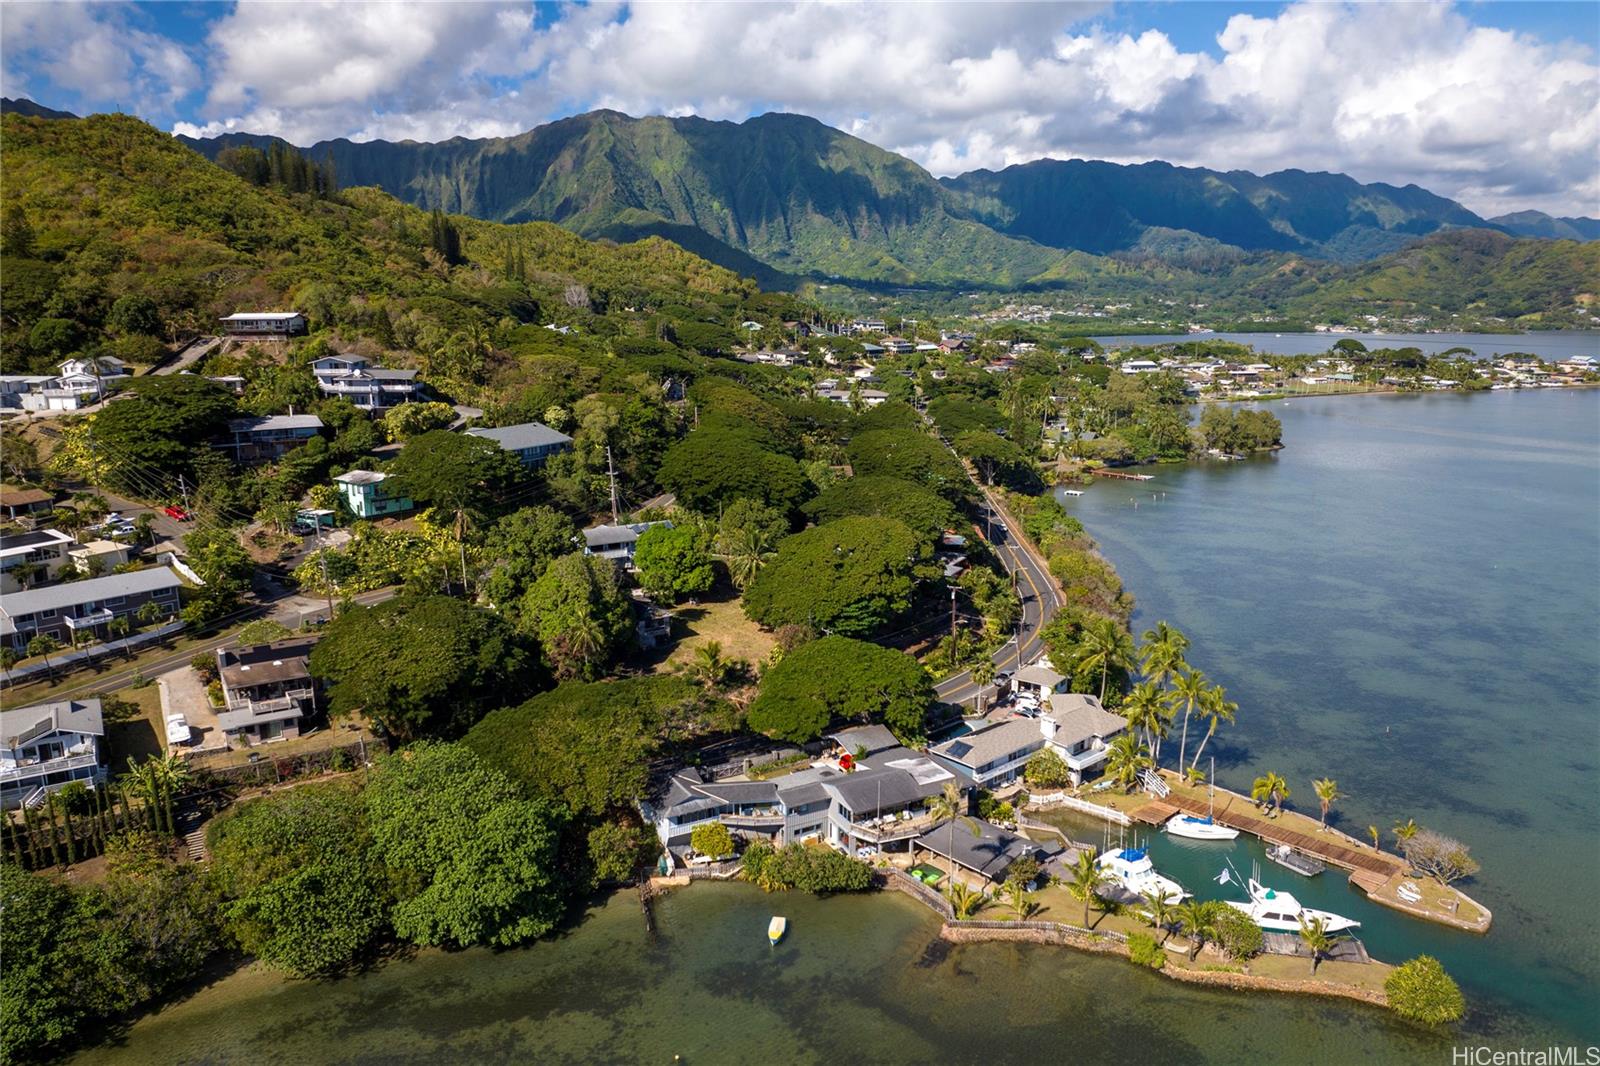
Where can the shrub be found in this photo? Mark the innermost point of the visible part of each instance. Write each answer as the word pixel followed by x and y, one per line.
pixel 205 664
pixel 1237 935
pixel 712 839
pixel 1047 770
pixel 1421 991
pixel 809 868
pixel 1143 950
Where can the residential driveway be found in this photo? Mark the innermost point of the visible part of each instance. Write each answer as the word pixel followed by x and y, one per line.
pixel 183 693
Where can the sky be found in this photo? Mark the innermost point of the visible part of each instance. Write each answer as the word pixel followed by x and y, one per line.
pixel 1496 105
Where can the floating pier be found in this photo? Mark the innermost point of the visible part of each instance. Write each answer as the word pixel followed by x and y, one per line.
pixel 1122 476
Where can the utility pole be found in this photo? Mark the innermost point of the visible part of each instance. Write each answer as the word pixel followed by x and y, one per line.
pixel 952 610
pixel 183 491
pixel 611 472
pixel 322 557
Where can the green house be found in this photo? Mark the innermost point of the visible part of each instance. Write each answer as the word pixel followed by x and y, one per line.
pixel 363 494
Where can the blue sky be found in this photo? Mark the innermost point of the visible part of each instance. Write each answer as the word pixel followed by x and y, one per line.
pixel 1495 104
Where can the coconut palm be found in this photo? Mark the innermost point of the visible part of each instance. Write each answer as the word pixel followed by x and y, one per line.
pixel 964 901
pixel 982 674
pixel 1199 921
pixel 148 613
pixel 1214 707
pixel 947 807
pixel 1146 709
pixel 1372 831
pixel 709 667
pixel 1104 645
pixel 1314 935
pixel 745 552
pixel 1126 759
pixel 8 659
pixel 1270 788
pixel 1021 902
pixel 1403 831
pixel 43 644
pixel 1162 654
pixel 1158 911
pixel 1327 790
pixel 1189 688
pixel 1084 881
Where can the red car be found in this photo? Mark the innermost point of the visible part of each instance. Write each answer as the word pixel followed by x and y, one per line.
pixel 174 511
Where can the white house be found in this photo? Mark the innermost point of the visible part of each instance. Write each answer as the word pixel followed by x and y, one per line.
pixel 48 745
pixel 1077 728
pixel 369 388
pixel 264 323
pixel 616 543
pixel 82 382
pixel 994 755
pixel 43 548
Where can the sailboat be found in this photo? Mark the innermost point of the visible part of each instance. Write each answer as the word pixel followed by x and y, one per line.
pixel 1196 828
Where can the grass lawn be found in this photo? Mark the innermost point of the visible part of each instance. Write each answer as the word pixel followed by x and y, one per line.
pixel 337 737
pixel 138 736
pixel 722 621
pixel 84 681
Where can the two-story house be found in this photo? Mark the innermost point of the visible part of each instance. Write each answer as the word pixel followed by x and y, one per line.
pixel 267 689
pixel 251 440
pixel 616 543
pixel 1080 730
pixel 532 442
pixel 263 323
pixel 29 559
pixel 994 755
pixel 80 609
pixel 368 387
pixel 81 383
pixel 48 745
pixel 365 495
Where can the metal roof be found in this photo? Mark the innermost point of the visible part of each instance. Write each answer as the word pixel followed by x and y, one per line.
pixel 262 316
pixel 21 724
pixel 270 422
pixel 983 847
pixel 13 543
pixel 995 742
pixel 73 593
pixel 526 435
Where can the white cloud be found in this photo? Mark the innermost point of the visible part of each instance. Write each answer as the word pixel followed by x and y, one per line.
pixel 97 54
pixel 1386 92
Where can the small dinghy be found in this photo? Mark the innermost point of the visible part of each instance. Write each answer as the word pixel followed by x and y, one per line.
pixel 776 928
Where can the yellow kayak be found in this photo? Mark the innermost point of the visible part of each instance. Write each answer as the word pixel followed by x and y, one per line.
pixel 776 928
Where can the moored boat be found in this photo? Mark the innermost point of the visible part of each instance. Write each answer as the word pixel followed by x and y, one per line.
pixel 776 928
pixel 1196 827
pixel 1298 861
pixel 1131 868
pixel 1279 912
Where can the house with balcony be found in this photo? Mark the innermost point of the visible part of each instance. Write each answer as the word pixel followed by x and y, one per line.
pixel 364 493
pixel 533 443
pixel 1038 680
pixel 992 756
pixel 267 689
pixel 81 610
pixel 254 440
pixel 13 387
pixel 263 323
pixel 35 558
pixel 616 543
pixel 46 746
pixel 1076 727
pixel 81 383
pixel 370 388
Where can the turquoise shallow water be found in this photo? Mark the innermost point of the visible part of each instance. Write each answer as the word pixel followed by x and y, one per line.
pixel 1423 565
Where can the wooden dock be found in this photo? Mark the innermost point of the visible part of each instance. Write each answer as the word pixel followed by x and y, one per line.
pixel 1118 474
pixel 1154 813
pixel 1326 848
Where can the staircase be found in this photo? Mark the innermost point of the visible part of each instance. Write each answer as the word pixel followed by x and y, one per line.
pixel 35 799
pixel 194 843
pixel 1153 784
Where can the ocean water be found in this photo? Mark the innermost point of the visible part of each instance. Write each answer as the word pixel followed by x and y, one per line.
pixel 1552 345
pixel 1406 598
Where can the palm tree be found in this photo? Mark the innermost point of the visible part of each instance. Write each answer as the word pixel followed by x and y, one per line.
pixel 1314 935
pixel 709 666
pixel 1199 921
pixel 1021 901
pixel 8 659
pixel 947 807
pixel 1372 831
pixel 148 612
pixel 1189 688
pixel 1146 710
pixel 1214 707
pixel 1159 911
pixel 982 674
pixel 964 901
pixel 1126 758
pixel 1327 791
pixel 117 628
pixel 1403 831
pixel 1270 788
pixel 1084 881
pixel 1163 652
pixel 745 552
pixel 1104 645
pixel 144 525
pixel 173 775
pixel 43 644
pixel 585 638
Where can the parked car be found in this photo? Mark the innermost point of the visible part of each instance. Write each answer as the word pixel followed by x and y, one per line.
pixel 172 510
pixel 177 729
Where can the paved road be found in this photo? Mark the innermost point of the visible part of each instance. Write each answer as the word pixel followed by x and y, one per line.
pixel 1039 604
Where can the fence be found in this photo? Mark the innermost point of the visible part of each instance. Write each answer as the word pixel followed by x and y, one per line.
pixel 1057 928
pixel 899 880
pixel 1082 806
pixel 268 770
pixel 71 660
pixel 714 871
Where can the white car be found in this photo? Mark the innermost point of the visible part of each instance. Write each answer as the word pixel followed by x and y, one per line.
pixel 177 729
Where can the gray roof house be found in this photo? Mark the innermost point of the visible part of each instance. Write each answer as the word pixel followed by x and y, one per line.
pixel 81 608
pixel 994 755
pixel 989 852
pixel 1080 730
pixel 269 437
pixel 48 745
pixel 267 688
pixel 533 442
pixel 616 542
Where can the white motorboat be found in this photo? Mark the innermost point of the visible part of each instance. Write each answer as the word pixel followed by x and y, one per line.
pixel 1280 912
pixel 1195 827
pixel 1131 868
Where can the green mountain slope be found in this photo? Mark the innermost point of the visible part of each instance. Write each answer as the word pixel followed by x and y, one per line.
pixel 1107 207
pixel 1539 224
pixel 801 197
pixel 104 208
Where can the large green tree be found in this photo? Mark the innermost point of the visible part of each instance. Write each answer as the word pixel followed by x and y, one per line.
pixel 839 679
pixel 301 887
pixel 850 576
pixel 580 613
pixel 919 507
pixel 523 544
pixel 912 455
pixel 144 444
pixel 473 861
pixel 422 666
pixel 714 466
pixel 454 472
pixel 675 561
